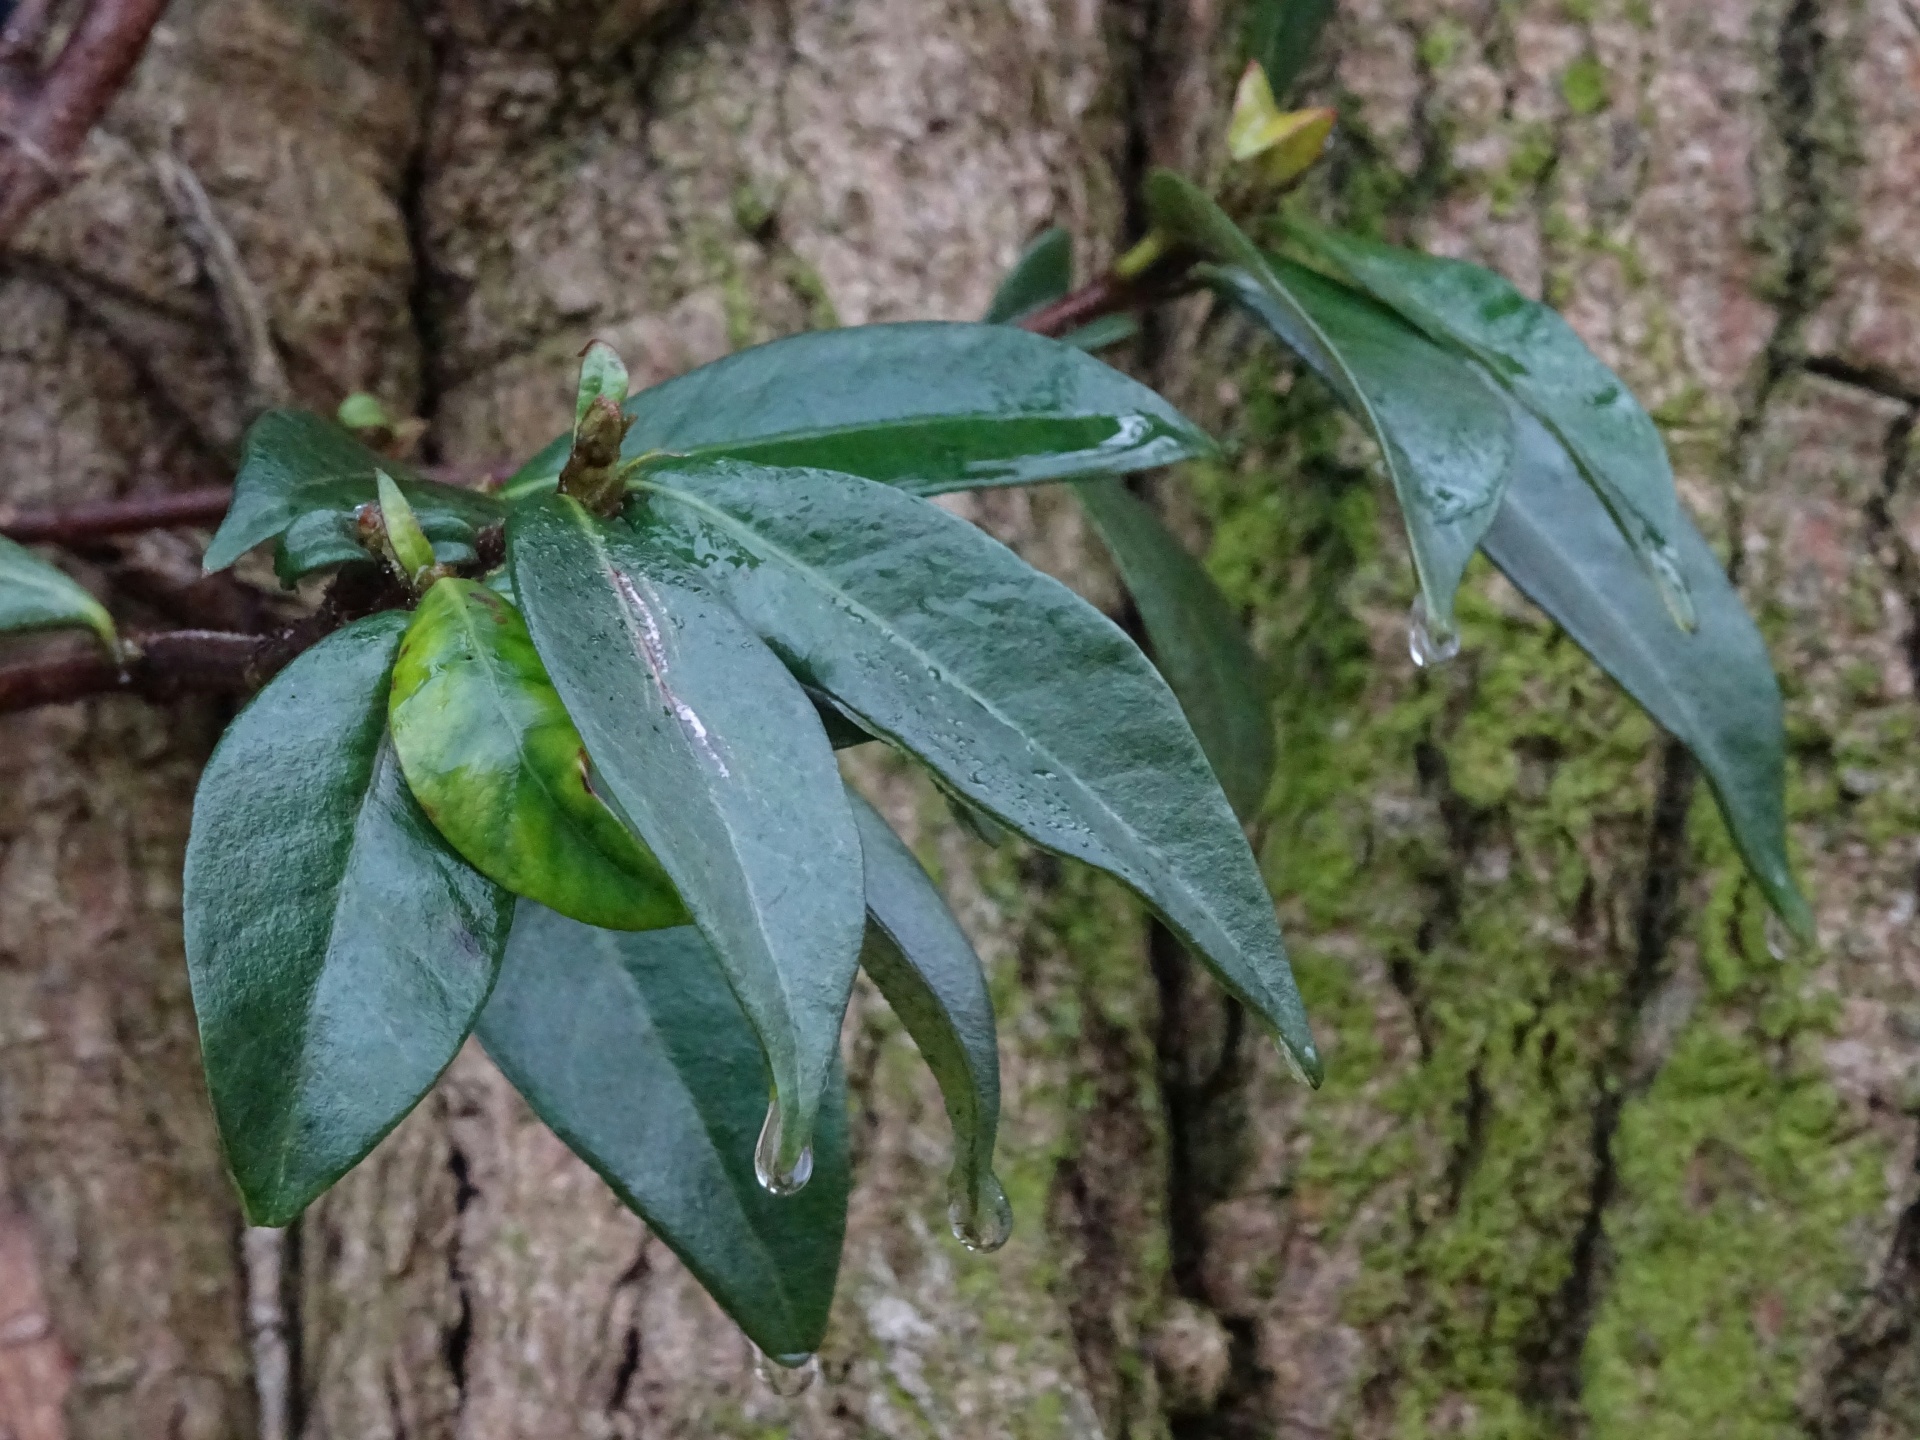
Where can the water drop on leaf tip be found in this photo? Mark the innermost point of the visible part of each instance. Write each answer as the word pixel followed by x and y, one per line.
pixel 1427 644
pixel 980 1215
pixel 777 1174
pixel 786 1375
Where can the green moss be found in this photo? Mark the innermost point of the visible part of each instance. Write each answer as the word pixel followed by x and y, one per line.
pixel 1584 86
pixel 1443 40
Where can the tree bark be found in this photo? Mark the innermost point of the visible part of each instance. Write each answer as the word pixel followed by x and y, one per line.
pixel 1601 1153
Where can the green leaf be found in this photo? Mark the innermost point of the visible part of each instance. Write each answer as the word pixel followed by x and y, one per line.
pixel 1444 432
pixel 930 407
pixel 1713 688
pixel 1198 642
pixel 924 964
pixel 36 596
pixel 602 372
pixel 1539 359
pixel 1281 36
pixel 710 750
pixel 305 477
pixel 338 950
pixel 1021 696
pixel 1099 334
pixel 1042 274
pixel 632 1049
pixel 492 758
pixel 411 550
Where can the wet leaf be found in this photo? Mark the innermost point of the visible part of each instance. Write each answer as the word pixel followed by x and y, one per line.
pixel 1198 642
pixel 930 407
pixel 1025 699
pixel 1713 689
pixel 412 553
pixel 632 1048
pixel 492 758
pixel 304 478
pixel 713 753
pixel 1443 431
pixel 602 372
pixel 1042 274
pixel 35 595
pixel 924 964
pixel 338 950
pixel 1544 365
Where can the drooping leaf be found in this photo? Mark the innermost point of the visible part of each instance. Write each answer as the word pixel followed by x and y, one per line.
pixel 928 406
pixel 1713 689
pixel 1281 35
pixel 338 950
pixel 1445 434
pixel 1022 697
pixel 713 753
pixel 34 595
pixel 924 964
pixel 1042 274
pixel 491 756
pixel 1199 643
pixel 631 1047
pixel 1537 356
pixel 303 477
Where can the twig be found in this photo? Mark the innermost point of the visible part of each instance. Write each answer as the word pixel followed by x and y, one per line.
pixel 44 126
pixel 77 524
pixel 1109 294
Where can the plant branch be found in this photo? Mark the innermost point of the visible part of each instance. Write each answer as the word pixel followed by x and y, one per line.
pixel 1111 293
pixel 77 524
pixel 44 122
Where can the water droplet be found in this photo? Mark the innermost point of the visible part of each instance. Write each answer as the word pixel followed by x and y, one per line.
pixel 1427 643
pixel 779 1171
pixel 786 1375
pixel 981 1218
pixel 1779 938
pixel 1664 564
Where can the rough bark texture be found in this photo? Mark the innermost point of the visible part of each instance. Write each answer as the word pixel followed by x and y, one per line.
pixel 1600 1154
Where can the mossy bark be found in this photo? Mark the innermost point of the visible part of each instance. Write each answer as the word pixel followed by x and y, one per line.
pixel 1599 1154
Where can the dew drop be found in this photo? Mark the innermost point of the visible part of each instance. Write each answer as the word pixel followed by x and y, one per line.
pixel 981 1218
pixel 786 1375
pixel 778 1172
pixel 1675 593
pixel 1427 644
pixel 1779 941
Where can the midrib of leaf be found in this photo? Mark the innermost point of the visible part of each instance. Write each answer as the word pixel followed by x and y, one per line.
pixel 822 582
pixel 607 567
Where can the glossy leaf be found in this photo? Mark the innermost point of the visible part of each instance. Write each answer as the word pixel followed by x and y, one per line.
pixel 1445 433
pixel 1713 689
pixel 930 407
pixel 926 968
pixel 35 595
pixel 1199 643
pixel 710 750
pixel 305 477
pixel 338 950
pixel 492 758
pixel 602 372
pixel 1537 356
pixel 1042 274
pixel 1281 36
pixel 411 551
pixel 631 1047
pixel 1022 697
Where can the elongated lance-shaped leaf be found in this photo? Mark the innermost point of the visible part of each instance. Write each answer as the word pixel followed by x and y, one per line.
pixel 926 967
pixel 411 551
pixel 305 477
pixel 631 1047
pixel 1198 642
pixel 714 754
pixel 338 950
pixel 492 758
pixel 1537 356
pixel 1446 443
pixel 1021 696
pixel 1713 689
pixel 927 406
pixel 1445 433
pixel 1042 274
pixel 34 595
